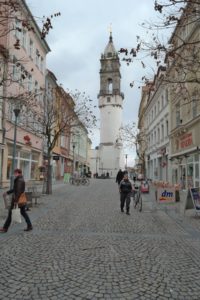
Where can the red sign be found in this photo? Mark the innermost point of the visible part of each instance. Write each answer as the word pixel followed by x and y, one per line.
pixel 186 140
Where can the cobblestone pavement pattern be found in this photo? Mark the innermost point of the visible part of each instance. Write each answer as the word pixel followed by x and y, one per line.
pixel 83 247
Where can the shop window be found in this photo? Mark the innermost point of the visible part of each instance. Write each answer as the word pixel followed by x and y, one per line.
pixel 190 173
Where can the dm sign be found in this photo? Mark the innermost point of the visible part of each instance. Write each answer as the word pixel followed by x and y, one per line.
pixel 166 195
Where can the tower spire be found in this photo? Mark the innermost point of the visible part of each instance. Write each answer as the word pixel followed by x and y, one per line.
pixel 110 31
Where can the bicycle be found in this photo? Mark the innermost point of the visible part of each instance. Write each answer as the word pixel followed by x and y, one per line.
pixel 74 181
pixel 84 180
pixel 137 198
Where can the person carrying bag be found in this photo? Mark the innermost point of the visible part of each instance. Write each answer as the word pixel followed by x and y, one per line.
pixel 18 199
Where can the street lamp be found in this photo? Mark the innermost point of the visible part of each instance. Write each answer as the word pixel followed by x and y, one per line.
pixel 126 160
pixel 73 158
pixel 16 112
pixel 96 163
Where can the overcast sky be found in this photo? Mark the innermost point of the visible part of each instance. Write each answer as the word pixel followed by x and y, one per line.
pixel 81 34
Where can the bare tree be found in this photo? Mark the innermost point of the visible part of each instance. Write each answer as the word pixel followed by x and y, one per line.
pixel 57 114
pixel 174 42
pixel 134 139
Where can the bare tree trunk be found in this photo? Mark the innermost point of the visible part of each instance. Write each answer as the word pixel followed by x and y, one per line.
pixel 49 176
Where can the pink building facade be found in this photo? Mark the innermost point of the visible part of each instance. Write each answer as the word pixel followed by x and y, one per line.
pixel 24 87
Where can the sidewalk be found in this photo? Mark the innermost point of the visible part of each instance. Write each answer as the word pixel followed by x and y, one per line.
pixel 3 212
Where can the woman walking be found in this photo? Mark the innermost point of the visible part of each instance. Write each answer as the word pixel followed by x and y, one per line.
pixel 18 189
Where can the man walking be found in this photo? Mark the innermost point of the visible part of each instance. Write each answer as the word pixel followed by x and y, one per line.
pixel 18 189
pixel 119 176
pixel 125 189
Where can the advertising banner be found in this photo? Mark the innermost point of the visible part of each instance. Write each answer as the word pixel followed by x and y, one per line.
pixel 195 198
pixel 166 195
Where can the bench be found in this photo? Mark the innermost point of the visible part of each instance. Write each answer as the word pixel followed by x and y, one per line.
pixel 34 193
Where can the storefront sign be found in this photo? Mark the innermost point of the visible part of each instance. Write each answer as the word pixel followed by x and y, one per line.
pixel 186 140
pixel 56 157
pixel 166 195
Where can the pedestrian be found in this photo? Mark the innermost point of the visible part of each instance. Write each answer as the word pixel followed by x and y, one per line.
pixel 119 176
pixel 16 191
pixel 125 189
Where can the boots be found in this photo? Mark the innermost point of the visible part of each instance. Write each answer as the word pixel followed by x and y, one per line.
pixel 3 230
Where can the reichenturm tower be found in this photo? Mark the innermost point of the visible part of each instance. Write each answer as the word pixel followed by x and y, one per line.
pixel 110 104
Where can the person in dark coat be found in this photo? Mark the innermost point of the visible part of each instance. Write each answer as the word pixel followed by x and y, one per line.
pixel 125 189
pixel 119 176
pixel 18 189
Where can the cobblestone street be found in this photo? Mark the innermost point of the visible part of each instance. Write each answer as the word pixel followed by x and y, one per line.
pixel 83 247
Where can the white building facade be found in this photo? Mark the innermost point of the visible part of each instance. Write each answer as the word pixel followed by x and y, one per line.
pixel 157 131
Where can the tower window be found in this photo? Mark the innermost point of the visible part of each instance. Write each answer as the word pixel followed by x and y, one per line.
pixel 110 86
pixel 108 99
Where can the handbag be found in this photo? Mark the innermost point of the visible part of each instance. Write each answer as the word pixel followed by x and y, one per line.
pixel 16 215
pixel 22 200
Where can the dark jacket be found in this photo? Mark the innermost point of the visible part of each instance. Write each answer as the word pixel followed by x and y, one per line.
pixel 125 186
pixel 120 176
pixel 18 188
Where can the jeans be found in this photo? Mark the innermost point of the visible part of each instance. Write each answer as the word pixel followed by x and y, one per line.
pixel 23 213
pixel 125 197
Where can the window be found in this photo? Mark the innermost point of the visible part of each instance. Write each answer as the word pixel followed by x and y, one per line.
pixel 42 64
pixel 162 102
pixel 167 128
pixel 37 57
pixel 18 29
pixel 162 132
pixel 62 141
pixel 15 69
pixel 108 99
pixel 158 106
pixel 110 86
pixel 166 96
pixel 24 38
pixel 30 83
pixel 178 115
pixel 194 107
pixel 158 135
pixel 31 48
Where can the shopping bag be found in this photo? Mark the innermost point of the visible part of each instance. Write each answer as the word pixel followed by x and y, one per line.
pixel 22 200
pixel 16 215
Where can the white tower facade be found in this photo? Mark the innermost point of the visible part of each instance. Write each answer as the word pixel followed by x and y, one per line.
pixel 111 157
